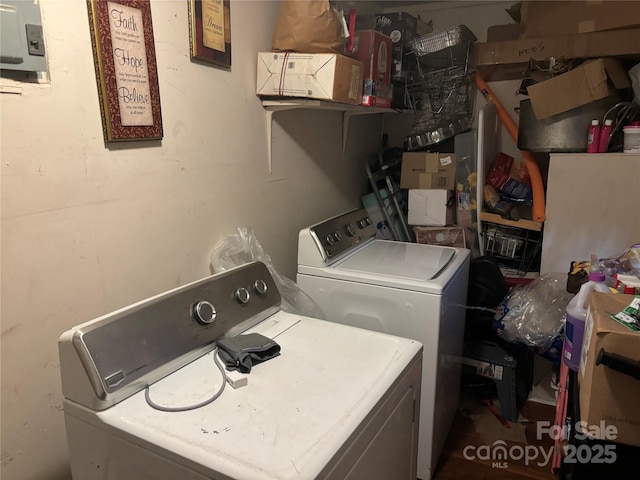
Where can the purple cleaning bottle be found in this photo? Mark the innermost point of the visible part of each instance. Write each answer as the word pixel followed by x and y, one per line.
pixel 576 316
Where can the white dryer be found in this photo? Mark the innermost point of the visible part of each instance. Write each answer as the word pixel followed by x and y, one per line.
pixel 412 290
pixel 337 402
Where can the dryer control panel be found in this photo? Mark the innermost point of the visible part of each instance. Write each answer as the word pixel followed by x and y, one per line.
pixel 339 235
pixel 112 357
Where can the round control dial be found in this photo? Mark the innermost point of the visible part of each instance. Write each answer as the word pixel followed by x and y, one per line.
pixel 362 223
pixel 367 220
pixel 330 240
pixel 350 229
pixel 204 312
pixel 260 287
pixel 337 236
pixel 242 295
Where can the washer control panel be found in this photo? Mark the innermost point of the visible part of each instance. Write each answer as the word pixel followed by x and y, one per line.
pixel 340 234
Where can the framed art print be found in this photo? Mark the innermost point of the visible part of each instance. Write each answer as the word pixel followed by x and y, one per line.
pixel 126 70
pixel 210 31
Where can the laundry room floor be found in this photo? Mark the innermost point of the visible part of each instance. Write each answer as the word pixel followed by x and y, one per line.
pixel 475 426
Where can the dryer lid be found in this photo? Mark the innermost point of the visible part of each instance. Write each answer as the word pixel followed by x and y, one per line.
pixel 397 259
pixel 255 431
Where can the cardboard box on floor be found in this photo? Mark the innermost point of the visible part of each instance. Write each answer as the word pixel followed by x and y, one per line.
pixel 452 236
pixel 508 60
pixel 607 395
pixel 569 17
pixel 323 76
pixel 587 83
pixel 422 170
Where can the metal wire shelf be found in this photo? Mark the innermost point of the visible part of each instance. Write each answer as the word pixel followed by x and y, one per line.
pixel 441 94
pixel 513 247
pixel 442 102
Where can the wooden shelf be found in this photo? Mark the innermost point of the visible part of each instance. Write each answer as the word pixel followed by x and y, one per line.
pixel 497 219
pixel 274 105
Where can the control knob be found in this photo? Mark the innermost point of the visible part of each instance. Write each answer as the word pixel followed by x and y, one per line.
pixel 350 229
pixel 204 312
pixel 242 295
pixel 260 287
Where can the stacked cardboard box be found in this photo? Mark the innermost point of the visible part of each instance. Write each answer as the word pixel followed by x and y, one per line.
pixel 562 30
pixel 323 76
pixel 430 179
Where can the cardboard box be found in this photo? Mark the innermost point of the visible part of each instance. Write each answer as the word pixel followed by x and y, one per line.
pixel 445 236
pixel 511 177
pixel 508 60
pixel 324 76
pixel 607 395
pixel 587 83
pixel 373 49
pixel 499 33
pixel 401 28
pixel 422 170
pixel 431 207
pixel 571 17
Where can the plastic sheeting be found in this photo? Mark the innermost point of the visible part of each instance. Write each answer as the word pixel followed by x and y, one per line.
pixel 244 247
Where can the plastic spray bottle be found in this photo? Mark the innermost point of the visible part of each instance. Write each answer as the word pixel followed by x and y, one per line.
pixel 576 316
pixel 593 139
pixel 605 134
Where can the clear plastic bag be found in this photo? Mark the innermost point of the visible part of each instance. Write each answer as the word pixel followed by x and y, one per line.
pixel 243 247
pixel 534 314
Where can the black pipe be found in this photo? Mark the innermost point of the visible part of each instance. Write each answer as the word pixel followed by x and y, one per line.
pixel 619 363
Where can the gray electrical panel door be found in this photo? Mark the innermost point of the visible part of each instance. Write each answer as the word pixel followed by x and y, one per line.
pixel 21 39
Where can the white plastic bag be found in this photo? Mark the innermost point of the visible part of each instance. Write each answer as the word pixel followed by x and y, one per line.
pixel 243 247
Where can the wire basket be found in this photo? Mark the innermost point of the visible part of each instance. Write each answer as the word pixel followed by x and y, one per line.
pixel 448 48
pixel 441 94
pixel 513 247
pixel 442 102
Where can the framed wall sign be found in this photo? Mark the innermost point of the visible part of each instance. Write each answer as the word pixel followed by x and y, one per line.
pixel 210 31
pixel 126 71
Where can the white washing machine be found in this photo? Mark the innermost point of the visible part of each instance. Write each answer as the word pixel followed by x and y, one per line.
pixel 411 290
pixel 145 398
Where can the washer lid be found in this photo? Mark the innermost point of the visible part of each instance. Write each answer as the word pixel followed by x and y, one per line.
pixel 397 259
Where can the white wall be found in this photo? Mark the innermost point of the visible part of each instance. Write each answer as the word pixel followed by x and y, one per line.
pixel 87 228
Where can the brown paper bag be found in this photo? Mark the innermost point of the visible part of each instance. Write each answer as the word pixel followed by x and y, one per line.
pixel 307 27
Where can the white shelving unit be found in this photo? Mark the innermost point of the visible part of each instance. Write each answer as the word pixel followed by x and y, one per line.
pixel 273 106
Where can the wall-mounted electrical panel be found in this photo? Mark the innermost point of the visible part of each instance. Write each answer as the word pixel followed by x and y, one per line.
pixel 21 38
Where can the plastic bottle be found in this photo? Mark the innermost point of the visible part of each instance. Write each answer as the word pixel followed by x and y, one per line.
pixel 605 134
pixel 576 316
pixel 594 137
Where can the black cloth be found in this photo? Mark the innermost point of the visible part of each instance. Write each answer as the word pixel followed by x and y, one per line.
pixel 243 351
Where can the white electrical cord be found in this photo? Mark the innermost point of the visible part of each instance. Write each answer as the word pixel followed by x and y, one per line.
pixel 162 408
